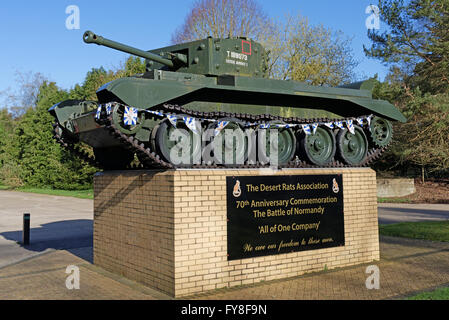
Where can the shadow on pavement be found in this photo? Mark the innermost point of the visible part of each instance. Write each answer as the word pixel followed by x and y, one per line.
pixel 75 236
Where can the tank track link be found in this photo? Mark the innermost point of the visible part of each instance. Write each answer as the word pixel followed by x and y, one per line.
pixel 149 158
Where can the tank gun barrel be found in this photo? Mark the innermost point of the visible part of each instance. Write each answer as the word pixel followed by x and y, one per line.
pixel 90 37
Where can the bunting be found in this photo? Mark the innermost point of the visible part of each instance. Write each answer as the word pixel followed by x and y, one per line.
pixel 108 108
pixel 306 129
pixel 173 119
pixel 220 126
pixel 339 124
pixel 350 125
pixel 98 114
pixel 131 116
pixel 191 124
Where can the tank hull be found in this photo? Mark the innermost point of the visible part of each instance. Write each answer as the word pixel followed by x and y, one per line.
pixel 248 103
pixel 245 95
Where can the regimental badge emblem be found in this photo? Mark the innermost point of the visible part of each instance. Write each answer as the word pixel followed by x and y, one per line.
pixel 237 190
pixel 335 187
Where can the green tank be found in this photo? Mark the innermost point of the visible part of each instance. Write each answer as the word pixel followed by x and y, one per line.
pixel 210 103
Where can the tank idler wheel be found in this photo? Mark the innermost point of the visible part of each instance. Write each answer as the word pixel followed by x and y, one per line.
pixel 118 114
pixel 113 158
pixel 352 148
pixel 284 145
pixel 230 145
pixel 318 148
pixel 178 145
pixel 381 131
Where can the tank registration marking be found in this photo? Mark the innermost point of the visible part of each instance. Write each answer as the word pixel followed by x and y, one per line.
pixel 237 58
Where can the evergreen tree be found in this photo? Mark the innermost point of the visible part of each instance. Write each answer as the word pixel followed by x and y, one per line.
pixel 417 41
pixel 43 162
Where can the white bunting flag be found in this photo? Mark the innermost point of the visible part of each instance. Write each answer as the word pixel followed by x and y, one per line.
pixel 306 129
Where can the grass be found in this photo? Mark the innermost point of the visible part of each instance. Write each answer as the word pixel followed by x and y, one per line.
pixel 431 230
pixel 438 294
pixel 81 194
pixel 393 200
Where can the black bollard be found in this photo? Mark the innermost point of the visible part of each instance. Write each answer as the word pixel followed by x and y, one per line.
pixel 26 229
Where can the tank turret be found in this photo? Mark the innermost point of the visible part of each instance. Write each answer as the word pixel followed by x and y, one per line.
pixel 232 56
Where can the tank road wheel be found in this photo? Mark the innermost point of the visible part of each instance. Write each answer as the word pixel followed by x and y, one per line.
pixel 285 146
pixel 230 145
pixel 318 148
pixel 381 131
pixel 113 158
pixel 352 148
pixel 118 120
pixel 177 145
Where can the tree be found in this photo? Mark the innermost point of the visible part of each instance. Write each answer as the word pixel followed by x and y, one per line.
pixel 94 79
pixel 298 51
pixel 423 140
pixel 417 49
pixel 25 97
pixel 42 161
pixel 9 171
pixel 417 41
pixel 97 77
pixel 28 153
pixel 221 19
pixel 313 54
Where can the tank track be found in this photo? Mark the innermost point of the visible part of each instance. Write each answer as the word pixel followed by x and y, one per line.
pixel 72 148
pixel 149 159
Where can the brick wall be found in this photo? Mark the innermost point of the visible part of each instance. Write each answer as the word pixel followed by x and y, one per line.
pixel 167 229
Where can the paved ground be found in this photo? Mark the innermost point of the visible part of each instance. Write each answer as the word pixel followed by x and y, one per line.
pixel 403 212
pixel 56 222
pixel 62 236
pixel 406 267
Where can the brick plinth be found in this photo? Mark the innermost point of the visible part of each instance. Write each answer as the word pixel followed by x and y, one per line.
pixel 168 229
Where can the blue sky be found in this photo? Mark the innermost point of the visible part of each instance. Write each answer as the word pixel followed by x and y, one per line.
pixel 35 38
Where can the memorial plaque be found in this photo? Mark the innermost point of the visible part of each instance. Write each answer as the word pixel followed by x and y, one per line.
pixel 280 214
